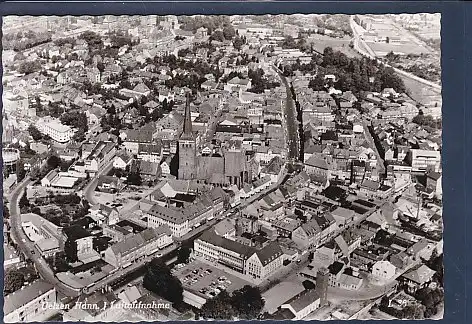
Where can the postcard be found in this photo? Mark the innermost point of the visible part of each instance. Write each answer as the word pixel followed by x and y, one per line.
pixel 279 167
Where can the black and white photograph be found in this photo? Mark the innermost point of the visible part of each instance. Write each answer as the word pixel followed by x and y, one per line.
pixel 222 167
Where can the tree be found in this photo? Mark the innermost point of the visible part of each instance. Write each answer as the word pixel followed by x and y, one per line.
pixel 79 136
pixel 14 280
pixel 218 308
pixel 35 133
pixel 20 170
pixel 229 32
pixel 70 250
pixel 24 202
pixel 183 254
pixel 238 42
pixel 134 178
pixel 53 162
pixel 289 42
pixel 247 302
pixel 218 36
pixel 28 67
pixel 158 279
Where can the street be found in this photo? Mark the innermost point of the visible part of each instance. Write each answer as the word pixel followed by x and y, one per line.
pixel 26 246
pixel 290 119
pixel 88 192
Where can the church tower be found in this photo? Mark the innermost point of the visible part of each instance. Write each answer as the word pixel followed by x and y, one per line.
pixel 187 148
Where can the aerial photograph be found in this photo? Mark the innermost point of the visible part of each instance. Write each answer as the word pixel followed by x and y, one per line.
pixel 176 168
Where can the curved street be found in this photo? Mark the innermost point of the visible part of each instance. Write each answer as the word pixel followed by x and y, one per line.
pixel 26 246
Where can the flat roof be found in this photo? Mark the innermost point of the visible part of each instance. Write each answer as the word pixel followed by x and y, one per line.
pixel 64 182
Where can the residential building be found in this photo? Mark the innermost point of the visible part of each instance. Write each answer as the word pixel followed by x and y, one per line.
pixel 138 246
pixel 27 304
pixel 383 270
pixel 101 154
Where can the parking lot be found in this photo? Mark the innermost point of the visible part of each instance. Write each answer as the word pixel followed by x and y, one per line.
pixel 205 280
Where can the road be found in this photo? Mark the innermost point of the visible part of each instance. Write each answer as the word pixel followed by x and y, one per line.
pixel 290 119
pixel 370 140
pixel 365 50
pixel 27 247
pixel 89 189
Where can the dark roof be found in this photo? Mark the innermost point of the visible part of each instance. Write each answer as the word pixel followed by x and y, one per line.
pixel 335 268
pixel 76 232
pixel 269 253
pixel 210 236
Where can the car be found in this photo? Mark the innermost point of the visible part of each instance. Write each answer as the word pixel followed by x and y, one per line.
pixel 23 240
pixel 32 252
pixel 159 255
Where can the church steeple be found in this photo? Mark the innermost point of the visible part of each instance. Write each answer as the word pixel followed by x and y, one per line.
pixel 187 148
pixel 187 133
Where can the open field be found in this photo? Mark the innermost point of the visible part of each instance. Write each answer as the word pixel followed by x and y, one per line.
pixel 320 42
pixel 382 49
pixel 420 92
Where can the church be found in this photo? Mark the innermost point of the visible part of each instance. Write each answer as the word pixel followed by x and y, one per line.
pixel 225 165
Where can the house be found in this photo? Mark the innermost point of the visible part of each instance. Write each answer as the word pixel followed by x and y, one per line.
pixel 27 304
pixel 225 229
pixel 236 83
pixel 102 153
pixel 121 161
pixel 103 214
pixel 303 304
pixel 343 216
pixel 135 137
pixel 383 270
pixel 318 166
pixel 138 246
pixel 434 182
pixel 109 184
pixel 55 129
pixel 148 169
pixel 150 152
pixel 11 257
pixel 417 278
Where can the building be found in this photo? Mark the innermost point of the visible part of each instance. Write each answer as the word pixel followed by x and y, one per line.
pixel 55 129
pixel 138 246
pixel 422 160
pixel 434 182
pixel 46 236
pixel 102 153
pixel 265 262
pixel 187 148
pixel 417 278
pixel 26 304
pixel 135 137
pixel 303 304
pixel 309 300
pixel 383 270
pixel 255 263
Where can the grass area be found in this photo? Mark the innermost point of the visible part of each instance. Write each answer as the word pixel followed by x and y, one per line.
pixel 420 92
pixel 410 48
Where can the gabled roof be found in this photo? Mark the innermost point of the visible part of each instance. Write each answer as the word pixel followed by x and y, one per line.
pixel 269 253
pixel 420 275
pixel 139 240
pixel 141 88
pixel 25 295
